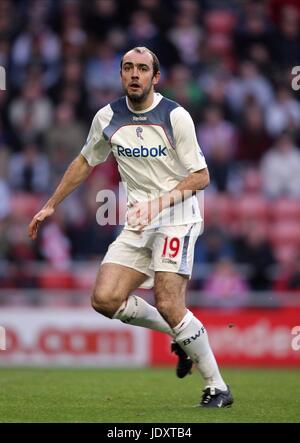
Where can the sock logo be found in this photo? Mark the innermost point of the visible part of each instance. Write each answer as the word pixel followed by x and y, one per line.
pixel 129 320
pixel 194 337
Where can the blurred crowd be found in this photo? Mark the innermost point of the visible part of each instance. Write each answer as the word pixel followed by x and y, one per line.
pixel 228 63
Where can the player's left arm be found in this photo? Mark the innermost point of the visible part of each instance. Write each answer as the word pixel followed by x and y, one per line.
pixel 191 157
pixel 141 213
pixel 194 182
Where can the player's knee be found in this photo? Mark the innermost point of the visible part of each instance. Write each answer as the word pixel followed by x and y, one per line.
pixel 104 303
pixel 101 306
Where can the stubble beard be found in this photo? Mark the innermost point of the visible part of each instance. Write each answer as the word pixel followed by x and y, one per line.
pixel 139 97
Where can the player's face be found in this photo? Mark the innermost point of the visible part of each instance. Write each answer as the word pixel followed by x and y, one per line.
pixel 137 76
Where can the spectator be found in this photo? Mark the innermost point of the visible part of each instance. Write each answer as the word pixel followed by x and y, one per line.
pixel 102 69
pixel 286 42
pixel 143 31
pixel 65 138
pixel 4 199
pixel 280 169
pixel 225 286
pixel 38 45
pixel 253 249
pixel 253 30
pixel 216 132
pixel 293 284
pixel 250 82
pixel 55 246
pixel 101 15
pixel 70 87
pixel 253 139
pixel 215 243
pixel 29 170
pixel 180 87
pixel 223 169
pixel 214 84
pixel 283 113
pixel 186 35
pixel 289 279
pixel 31 113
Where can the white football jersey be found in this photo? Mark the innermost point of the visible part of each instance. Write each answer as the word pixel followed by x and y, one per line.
pixel 155 149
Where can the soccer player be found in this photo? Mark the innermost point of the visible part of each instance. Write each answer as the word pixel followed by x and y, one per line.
pixel 154 143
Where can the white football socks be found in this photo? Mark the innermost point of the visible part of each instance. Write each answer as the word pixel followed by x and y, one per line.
pixel 136 311
pixel 190 334
pixel 192 338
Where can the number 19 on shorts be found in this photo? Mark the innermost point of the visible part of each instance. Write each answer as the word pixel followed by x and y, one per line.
pixel 171 247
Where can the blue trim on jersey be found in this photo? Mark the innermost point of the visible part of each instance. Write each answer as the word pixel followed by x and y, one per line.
pixel 183 268
pixel 158 116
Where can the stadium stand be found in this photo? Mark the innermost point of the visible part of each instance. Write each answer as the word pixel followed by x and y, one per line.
pixel 230 66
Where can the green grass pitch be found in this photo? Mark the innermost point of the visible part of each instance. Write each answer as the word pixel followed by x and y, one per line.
pixel 143 396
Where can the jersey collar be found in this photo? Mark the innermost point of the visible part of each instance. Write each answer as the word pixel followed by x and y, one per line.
pixel 156 100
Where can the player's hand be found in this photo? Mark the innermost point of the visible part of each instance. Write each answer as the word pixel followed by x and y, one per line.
pixel 142 213
pixel 37 220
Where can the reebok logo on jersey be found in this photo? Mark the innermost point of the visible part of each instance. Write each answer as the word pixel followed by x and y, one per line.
pixel 139 118
pixel 142 151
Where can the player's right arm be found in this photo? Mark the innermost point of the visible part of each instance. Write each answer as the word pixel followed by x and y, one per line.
pixel 76 173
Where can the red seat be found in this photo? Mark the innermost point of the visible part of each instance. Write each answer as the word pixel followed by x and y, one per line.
pixel 84 278
pixel 24 204
pixel 56 279
pixel 286 209
pixel 286 254
pixel 220 21
pixel 217 206
pixel 251 207
pixel 285 233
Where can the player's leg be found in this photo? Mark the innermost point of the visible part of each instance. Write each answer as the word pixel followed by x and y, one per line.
pixel 177 299
pixel 131 261
pixel 191 335
pixel 124 268
pixel 169 292
pixel 112 287
pixel 172 263
pixel 112 298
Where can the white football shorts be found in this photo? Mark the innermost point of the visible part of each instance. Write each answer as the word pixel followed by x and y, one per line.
pixel 167 248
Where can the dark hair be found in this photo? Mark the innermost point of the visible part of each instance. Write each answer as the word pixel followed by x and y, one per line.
pixel 141 50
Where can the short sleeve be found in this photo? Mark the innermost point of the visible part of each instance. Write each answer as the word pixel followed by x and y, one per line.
pixel 97 148
pixel 186 144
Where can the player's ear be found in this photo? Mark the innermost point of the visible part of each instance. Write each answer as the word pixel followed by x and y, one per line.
pixel 156 78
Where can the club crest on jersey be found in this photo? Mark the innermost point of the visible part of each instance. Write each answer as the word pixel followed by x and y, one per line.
pixel 139 131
